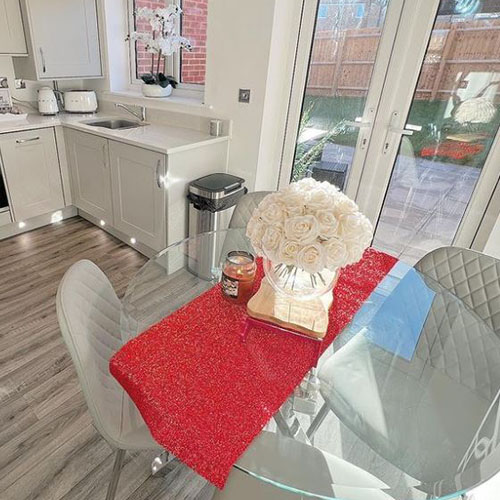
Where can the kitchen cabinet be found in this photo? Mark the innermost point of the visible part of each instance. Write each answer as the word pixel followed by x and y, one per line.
pixel 63 40
pixel 12 40
pixel 138 192
pixel 90 176
pixel 31 171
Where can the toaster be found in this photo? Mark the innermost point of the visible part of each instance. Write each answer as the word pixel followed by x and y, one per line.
pixel 80 101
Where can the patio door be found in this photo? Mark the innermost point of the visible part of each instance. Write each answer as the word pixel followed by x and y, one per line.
pixel 342 58
pixel 414 139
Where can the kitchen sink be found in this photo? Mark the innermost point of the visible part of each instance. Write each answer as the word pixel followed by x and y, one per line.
pixel 116 124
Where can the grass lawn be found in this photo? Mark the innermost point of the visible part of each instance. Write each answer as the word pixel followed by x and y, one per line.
pixel 327 112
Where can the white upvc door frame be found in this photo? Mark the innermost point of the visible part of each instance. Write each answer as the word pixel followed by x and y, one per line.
pixel 403 72
pixel 304 49
pixel 402 75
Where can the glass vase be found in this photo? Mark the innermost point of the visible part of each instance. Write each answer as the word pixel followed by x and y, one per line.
pixel 297 283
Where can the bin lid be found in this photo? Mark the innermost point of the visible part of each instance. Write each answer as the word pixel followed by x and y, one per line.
pixel 216 186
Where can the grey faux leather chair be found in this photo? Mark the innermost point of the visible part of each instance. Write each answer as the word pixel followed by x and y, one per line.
pixel 245 207
pixel 472 276
pixel 303 468
pixel 475 279
pixel 88 311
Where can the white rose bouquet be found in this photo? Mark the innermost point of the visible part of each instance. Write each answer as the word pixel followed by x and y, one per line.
pixel 309 225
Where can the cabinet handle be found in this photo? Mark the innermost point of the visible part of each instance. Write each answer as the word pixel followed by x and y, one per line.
pixel 104 155
pixel 22 141
pixel 158 177
pixel 44 68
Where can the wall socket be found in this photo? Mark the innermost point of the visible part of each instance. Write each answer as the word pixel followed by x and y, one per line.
pixel 244 95
pixel 19 84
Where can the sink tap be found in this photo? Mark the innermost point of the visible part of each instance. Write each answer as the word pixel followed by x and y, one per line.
pixel 140 115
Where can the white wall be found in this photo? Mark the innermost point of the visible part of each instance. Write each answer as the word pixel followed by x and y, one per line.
pixel 249 45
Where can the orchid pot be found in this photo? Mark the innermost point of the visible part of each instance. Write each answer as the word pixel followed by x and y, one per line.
pixel 154 90
pixel 161 41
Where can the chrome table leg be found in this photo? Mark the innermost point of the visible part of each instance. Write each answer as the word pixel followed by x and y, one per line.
pixel 117 468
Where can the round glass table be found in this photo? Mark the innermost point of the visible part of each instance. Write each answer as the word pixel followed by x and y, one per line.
pixel 404 404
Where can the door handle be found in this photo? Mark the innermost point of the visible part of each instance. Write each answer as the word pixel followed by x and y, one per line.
pixel 42 55
pixel 358 124
pixel 22 141
pixel 393 128
pixel 363 130
pixel 158 176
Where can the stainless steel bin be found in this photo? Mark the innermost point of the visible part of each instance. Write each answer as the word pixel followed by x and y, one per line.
pixel 211 204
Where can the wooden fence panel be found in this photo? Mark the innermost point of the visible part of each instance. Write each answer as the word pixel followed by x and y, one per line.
pixel 343 66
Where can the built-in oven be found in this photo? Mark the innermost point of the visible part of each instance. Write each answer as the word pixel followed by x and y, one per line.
pixel 4 204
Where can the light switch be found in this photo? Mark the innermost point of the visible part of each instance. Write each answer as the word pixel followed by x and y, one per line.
pixel 244 96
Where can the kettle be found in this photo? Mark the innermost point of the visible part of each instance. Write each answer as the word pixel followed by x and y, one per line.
pixel 47 102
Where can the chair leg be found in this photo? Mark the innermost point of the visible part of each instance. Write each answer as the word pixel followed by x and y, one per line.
pixel 117 468
pixel 318 420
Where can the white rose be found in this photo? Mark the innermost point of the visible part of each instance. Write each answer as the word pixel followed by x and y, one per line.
pixel 303 228
pixel 335 254
pixel 288 252
pixel 306 184
pixel 255 231
pixel 344 205
pixel 271 240
pixel 272 213
pixel 351 226
pixel 270 199
pixel 328 224
pixel 294 203
pixel 311 258
pixel 317 199
pixel 355 251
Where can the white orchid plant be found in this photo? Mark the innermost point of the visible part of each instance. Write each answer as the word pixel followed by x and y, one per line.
pixel 309 225
pixel 161 41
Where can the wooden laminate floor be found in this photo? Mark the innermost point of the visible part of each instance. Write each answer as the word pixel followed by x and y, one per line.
pixel 48 447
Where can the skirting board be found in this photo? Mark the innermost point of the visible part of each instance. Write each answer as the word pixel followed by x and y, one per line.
pixel 13 229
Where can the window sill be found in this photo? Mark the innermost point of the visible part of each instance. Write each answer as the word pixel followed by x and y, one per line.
pixel 172 103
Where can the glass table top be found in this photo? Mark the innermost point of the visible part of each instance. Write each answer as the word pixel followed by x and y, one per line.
pixel 405 401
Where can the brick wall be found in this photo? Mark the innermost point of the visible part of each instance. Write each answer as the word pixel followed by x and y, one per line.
pixel 194 27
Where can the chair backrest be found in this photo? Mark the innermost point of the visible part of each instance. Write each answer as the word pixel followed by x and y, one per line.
pixel 245 207
pixel 88 311
pixel 471 276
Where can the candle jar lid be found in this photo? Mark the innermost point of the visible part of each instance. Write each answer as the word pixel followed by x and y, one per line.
pixel 240 257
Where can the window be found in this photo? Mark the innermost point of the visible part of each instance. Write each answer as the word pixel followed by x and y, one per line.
pixel 186 67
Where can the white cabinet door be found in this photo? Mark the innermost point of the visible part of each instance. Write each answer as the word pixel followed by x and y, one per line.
pixel 64 38
pixel 90 177
pixel 138 193
pixel 32 173
pixel 12 40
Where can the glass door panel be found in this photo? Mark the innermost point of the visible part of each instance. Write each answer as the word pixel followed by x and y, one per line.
pixel 452 123
pixel 347 37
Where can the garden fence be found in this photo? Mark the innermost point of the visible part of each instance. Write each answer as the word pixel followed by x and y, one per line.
pixel 342 65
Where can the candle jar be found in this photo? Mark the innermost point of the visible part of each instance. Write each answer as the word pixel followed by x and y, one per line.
pixel 238 276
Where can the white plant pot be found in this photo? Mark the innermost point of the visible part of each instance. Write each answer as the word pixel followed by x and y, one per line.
pixel 156 90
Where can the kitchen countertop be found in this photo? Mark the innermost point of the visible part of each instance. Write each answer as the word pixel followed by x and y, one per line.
pixel 153 136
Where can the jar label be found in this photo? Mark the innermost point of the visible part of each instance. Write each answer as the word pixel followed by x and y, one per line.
pixel 230 286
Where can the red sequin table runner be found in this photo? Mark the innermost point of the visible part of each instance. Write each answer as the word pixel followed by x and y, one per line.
pixel 204 394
